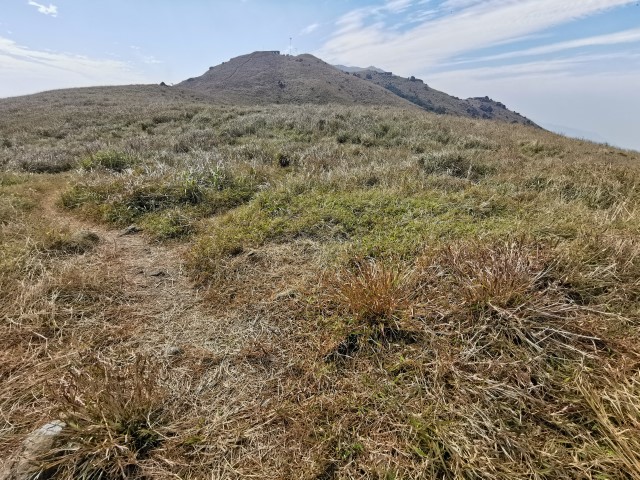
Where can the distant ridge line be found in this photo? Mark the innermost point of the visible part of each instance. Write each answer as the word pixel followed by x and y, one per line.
pixel 269 77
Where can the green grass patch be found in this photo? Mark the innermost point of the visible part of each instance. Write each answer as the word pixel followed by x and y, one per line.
pixel 373 222
pixel 109 160
pixel 166 205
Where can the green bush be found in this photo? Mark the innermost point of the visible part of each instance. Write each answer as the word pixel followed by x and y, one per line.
pixel 109 160
pixel 168 224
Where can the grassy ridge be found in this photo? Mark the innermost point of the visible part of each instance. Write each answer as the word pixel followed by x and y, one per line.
pixel 386 295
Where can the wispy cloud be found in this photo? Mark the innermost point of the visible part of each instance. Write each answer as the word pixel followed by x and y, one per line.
pixel 626 36
pixel 309 29
pixel 368 36
pixel 143 57
pixel 25 70
pixel 573 67
pixel 51 10
pixel 397 6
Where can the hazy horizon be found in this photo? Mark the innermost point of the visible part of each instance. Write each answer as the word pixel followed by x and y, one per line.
pixel 572 67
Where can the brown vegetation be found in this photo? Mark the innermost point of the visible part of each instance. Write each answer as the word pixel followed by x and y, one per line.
pixel 432 100
pixel 408 296
pixel 263 78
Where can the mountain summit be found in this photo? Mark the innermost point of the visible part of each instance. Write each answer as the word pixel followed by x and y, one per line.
pixel 268 77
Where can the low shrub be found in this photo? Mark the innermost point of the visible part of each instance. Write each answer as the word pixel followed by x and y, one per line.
pixel 453 163
pixel 109 160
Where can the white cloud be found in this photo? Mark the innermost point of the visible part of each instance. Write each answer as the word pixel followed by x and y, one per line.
pixel 51 10
pixel 473 26
pixel 309 29
pixel 626 36
pixel 25 70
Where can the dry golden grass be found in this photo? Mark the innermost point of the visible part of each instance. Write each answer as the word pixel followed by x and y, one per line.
pixel 372 292
pixel 437 298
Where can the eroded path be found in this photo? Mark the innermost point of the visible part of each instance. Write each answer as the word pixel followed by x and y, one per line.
pixel 224 355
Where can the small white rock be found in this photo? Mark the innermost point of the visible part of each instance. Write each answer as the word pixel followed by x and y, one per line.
pixel 39 442
pixel 172 351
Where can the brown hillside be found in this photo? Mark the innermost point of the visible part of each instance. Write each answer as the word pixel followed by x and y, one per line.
pixel 191 290
pixel 88 98
pixel 268 77
pixel 419 93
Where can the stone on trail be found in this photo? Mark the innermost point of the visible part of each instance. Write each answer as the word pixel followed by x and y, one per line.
pixel 38 443
pixel 130 230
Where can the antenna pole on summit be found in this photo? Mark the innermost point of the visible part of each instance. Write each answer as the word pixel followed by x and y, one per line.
pixel 290 45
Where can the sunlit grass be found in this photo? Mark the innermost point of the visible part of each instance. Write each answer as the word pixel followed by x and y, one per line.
pixel 376 294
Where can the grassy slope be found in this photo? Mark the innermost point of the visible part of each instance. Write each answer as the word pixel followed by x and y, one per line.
pixel 377 294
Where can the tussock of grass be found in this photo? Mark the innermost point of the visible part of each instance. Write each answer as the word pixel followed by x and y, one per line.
pixel 65 242
pixel 371 291
pixel 46 161
pixel 108 159
pixel 508 291
pixel 454 163
pixel 114 417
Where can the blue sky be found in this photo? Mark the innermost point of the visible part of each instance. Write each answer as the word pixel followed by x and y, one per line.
pixel 570 65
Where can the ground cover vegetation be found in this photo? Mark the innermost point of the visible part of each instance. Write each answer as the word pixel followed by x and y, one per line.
pixel 314 292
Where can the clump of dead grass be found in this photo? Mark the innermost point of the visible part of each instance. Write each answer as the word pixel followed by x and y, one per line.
pixel 615 405
pixel 505 289
pixel 114 416
pixel 602 269
pixel 66 242
pixel 375 293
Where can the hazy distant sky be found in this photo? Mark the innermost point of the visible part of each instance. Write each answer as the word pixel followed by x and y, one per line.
pixel 569 65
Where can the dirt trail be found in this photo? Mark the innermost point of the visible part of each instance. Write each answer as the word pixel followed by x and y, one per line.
pixel 155 273
pixel 162 316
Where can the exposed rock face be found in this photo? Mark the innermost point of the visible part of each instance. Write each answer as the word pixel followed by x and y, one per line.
pixel 23 466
